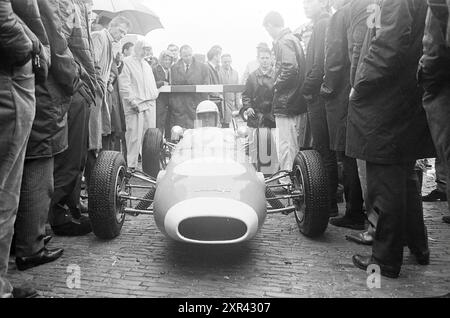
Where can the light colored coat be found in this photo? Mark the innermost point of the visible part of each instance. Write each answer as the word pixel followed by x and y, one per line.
pixel 100 117
pixel 137 84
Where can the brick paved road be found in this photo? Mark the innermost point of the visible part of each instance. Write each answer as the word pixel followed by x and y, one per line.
pixel 279 262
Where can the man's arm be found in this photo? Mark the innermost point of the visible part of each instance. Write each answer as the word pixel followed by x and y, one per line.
pixel 98 47
pixel 65 69
pixel 248 96
pixel 336 57
pixel 15 46
pixel 314 78
pixel 289 66
pixel 126 92
pixel 388 48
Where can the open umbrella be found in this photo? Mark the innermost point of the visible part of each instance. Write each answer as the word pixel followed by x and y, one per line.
pixel 143 20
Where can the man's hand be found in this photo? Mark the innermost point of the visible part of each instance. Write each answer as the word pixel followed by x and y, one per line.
pixel 134 106
pixel 352 93
pixel 166 83
pixel 249 113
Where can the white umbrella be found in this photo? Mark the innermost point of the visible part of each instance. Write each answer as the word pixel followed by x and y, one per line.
pixel 143 20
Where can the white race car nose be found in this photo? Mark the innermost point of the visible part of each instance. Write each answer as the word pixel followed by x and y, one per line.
pixel 211 221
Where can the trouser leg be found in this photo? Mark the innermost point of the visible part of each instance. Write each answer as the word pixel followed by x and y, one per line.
pixel 438 114
pixel 415 231
pixel 132 135
pixel 107 142
pixel 91 159
pixel 35 198
pixel 389 190
pixel 68 165
pixel 352 188
pixel 441 175
pixel 288 130
pixel 17 110
pixel 321 143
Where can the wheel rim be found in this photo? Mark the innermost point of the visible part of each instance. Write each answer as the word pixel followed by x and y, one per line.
pixel 300 203
pixel 119 207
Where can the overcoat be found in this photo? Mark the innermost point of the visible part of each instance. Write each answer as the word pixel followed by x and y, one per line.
pixel 386 120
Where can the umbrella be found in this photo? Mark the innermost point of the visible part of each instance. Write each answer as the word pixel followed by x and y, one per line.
pixel 143 20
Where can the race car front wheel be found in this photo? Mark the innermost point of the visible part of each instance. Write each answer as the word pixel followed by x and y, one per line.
pixel 152 152
pixel 106 209
pixel 312 208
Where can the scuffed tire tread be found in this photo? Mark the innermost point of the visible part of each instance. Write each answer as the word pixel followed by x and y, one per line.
pixel 102 194
pixel 316 194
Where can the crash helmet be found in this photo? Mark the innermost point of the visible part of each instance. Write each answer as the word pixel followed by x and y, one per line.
pixel 207 114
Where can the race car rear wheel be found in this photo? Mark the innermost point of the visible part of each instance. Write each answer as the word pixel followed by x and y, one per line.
pixel 152 150
pixel 106 209
pixel 309 178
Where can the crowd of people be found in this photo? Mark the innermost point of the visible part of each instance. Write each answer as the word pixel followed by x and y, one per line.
pixel 366 83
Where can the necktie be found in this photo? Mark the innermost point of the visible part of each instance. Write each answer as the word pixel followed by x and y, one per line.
pixel 187 67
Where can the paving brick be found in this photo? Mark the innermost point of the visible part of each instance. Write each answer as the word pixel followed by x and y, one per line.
pixel 279 262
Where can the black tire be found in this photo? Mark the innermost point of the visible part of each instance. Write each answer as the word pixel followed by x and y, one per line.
pixel 105 209
pixel 312 214
pixel 152 152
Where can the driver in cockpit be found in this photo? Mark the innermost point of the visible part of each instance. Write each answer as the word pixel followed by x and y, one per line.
pixel 207 115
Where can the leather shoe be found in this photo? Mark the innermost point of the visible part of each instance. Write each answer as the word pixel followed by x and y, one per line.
pixel 423 258
pixel 363 238
pixel 446 219
pixel 77 227
pixel 348 223
pixel 434 196
pixel 43 257
pixel 24 292
pixel 363 262
pixel 46 239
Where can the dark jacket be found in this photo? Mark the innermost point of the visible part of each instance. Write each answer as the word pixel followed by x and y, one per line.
pixel 15 46
pixel 28 12
pixel 345 37
pixel 289 75
pixel 118 123
pixel 160 75
pixel 434 71
pixel 258 95
pixel 214 78
pixel 49 134
pixel 184 105
pixel 315 57
pixel 386 120
pixel 80 44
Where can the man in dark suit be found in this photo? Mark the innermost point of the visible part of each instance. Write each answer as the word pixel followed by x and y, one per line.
pixel 386 122
pixel 434 75
pixel 17 111
pixel 187 71
pixel 213 64
pixel 162 78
